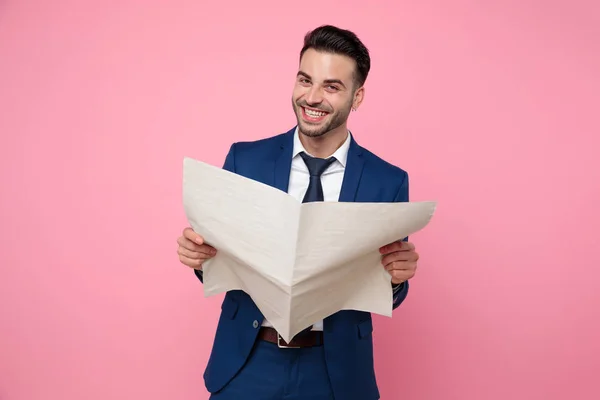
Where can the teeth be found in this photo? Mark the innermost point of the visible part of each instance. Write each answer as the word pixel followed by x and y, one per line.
pixel 312 113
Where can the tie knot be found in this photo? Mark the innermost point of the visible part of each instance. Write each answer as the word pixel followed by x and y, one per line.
pixel 316 166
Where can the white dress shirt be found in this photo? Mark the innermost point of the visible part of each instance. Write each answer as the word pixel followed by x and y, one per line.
pixel 331 180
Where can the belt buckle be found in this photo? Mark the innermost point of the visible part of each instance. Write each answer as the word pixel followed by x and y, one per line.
pixel 284 346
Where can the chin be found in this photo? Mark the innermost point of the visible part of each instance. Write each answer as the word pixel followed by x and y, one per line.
pixel 311 130
pixel 312 134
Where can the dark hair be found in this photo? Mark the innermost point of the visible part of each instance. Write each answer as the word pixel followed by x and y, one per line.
pixel 330 39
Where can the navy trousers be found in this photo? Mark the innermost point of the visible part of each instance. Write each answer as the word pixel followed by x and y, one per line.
pixel 272 373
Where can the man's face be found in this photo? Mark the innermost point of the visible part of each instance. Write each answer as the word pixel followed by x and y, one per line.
pixel 324 92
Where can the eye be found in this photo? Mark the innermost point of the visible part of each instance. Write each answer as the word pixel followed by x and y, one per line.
pixel 332 88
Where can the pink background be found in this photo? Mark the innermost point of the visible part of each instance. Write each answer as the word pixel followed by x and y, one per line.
pixel 491 106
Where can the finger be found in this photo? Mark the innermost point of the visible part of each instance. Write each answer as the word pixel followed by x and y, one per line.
pixel 400 256
pixel 401 266
pixel 401 276
pixel 193 236
pixel 188 244
pixel 397 256
pixel 182 241
pixel 399 245
pixel 192 263
pixel 391 247
pixel 196 255
pixel 206 249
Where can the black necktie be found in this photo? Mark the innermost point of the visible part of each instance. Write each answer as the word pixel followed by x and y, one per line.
pixel 316 167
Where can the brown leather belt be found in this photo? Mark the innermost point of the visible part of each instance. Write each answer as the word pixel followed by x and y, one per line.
pixel 307 339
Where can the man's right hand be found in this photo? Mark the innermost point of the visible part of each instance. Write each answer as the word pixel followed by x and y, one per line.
pixel 192 249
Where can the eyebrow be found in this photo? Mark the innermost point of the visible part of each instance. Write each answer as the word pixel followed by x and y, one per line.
pixel 327 81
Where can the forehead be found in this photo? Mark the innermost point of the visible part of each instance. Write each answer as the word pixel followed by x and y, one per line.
pixel 321 66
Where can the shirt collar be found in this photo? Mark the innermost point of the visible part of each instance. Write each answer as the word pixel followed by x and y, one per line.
pixel 341 154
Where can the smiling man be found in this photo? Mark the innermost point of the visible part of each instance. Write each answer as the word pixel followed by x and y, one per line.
pixel 317 160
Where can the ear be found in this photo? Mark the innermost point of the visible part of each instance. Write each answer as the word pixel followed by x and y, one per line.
pixel 359 95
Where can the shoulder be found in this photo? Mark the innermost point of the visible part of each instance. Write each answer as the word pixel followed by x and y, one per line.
pixel 383 167
pixel 250 154
pixel 383 179
pixel 265 144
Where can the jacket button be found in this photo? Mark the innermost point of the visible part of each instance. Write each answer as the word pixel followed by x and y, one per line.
pixel 255 324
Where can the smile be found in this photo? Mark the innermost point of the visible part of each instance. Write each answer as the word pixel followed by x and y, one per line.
pixel 313 115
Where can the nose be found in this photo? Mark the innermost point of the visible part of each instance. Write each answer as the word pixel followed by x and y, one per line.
pixel 314 95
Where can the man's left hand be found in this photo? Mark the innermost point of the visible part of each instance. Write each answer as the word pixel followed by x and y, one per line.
pixel 400 260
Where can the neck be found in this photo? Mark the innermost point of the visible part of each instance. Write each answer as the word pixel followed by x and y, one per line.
pixel 324 146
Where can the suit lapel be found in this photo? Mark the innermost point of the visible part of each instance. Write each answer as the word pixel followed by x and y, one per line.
pixel 353 173
pixel 283 162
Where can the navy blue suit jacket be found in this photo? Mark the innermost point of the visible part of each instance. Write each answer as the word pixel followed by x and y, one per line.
pixel 347 334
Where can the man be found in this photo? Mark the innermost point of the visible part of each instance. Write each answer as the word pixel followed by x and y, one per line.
pixel 318 160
